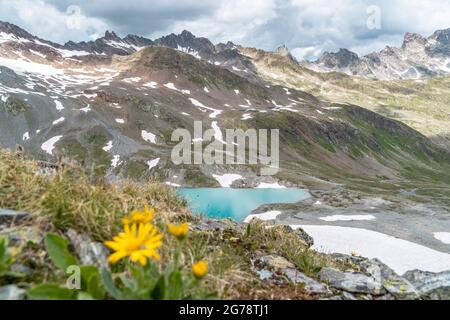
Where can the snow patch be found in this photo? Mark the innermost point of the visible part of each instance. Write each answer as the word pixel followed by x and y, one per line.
pixel 171 86
pixel 172 184
pixel 49 145
pixel 399 254
pixel 266 216
pixel 108 146
pixel 215 112
pixel 22 67
pixel 115 161
pixel 59 105
pixel 86 109
pixel 443 237
pixel 148 136
pixel 153 163
pixel 264 185
pixel 151 85
pixel 217 132
pixel 227 180
pixel 26 136
pixel 368 217
pixel 58 121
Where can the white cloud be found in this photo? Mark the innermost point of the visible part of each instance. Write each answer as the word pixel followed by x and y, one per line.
pixel 309 27
pixel 44 20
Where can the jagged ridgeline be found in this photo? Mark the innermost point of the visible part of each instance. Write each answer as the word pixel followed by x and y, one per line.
pixel 113 103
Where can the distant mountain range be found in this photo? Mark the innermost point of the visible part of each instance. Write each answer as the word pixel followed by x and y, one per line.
pixel 418 57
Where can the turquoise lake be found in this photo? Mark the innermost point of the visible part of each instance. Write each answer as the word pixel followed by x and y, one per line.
pixel 236 203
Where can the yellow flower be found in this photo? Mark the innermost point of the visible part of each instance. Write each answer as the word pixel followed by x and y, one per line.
pixel 137 216
pixel 180 231
pixel 137 242
pixel 200 269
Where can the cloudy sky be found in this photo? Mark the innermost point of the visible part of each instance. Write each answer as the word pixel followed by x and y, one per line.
pixel 307 27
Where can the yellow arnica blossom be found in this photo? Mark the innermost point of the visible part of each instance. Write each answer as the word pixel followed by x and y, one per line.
pixel 200 269
pixel 138 216
pixel 180 231
pixel 139 242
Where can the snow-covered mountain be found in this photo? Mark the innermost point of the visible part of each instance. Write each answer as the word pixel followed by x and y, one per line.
pixel 418 57
pixel 114 103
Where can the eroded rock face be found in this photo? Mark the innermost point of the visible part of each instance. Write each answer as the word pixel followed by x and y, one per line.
pixel 310 285
pixel 430 285
pixel 268 267
pixel 399 287
pixel 352 281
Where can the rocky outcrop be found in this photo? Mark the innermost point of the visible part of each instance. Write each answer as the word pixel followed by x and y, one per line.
pixel 430 285
pixel 352 281
pixel 277 269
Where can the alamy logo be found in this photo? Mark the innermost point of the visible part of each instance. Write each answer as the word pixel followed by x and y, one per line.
pixel 238 147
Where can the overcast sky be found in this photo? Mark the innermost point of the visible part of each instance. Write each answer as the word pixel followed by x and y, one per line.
pixel 307 27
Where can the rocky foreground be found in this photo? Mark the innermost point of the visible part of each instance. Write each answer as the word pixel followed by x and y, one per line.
pixel 347 277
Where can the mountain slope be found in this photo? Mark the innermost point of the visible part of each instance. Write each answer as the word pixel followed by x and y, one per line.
pixel 118 111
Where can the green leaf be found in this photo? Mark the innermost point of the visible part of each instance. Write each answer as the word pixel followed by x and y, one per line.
pixel 51 292
pixel 91 283
pixel 175 287
pixel 3 246
pixel 58 251
pixel 84 296
pixel 159 291
pixel 109 285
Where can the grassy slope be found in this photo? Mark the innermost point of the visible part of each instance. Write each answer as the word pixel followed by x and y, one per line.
pixel 68 198
pixel 421 104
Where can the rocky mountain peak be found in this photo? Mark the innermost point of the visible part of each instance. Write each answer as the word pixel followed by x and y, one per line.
pixel 442 36
pixel 9 28
pixel 282 50
pixel 187 35
pixel 413 39
pixel 341 59
pixel 111 35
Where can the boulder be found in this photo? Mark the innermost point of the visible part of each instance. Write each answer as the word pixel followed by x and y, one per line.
pixel 7 215
pixel 435 286
pixel 89 252
pixel 399 287
pixel 12 292
pixel 275 262
pixel 310 285
pixel 352 281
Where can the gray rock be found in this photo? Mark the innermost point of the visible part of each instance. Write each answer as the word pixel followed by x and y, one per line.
pixel 399 287
pixel 7 215
pixel 89 252
pixel 351 281
pixel 305 237
pixel 264 274
pixel 275 262
pixel 348 296
pixel 435 286
pixel 215 225
pixel 310 285
pixel 20 236
pixel 12 292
